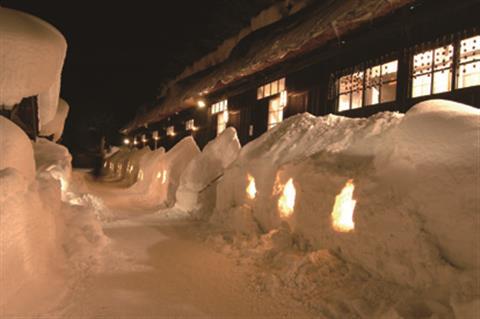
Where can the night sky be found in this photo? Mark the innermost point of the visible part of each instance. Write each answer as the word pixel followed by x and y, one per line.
pixel 120 52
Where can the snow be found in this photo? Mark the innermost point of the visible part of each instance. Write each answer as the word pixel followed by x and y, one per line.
pixel 192 194
pixel 32 54
pixel 149 178
pixel 317 24
pixel 55 126
pixel 266 17
pixel 416 186
pixel 45 240
pixel 185 238
pixel 14 141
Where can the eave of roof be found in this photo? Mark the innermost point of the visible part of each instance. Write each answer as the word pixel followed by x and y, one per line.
pixel 303 32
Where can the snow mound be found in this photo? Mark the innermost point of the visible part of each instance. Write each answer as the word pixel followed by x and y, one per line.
pixel 415 182
pixel 55 127
pixel 13 141
pixel 47 230
pixel 32 55
pixel 204 170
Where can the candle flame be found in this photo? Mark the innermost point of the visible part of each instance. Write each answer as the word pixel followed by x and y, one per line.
pixel 342 214
pixel 286 202
pixel 251 188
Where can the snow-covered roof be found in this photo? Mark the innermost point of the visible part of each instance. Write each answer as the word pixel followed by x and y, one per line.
pixel 32 53
pixel 310 28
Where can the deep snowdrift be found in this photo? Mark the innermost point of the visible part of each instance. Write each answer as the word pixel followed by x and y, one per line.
pixel 47 230
pixel 197 182
pixel 151 177
pixel 32 55
pixel 13 141
pixel 415 183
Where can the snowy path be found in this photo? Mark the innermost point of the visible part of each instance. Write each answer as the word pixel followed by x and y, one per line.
pixel 157 267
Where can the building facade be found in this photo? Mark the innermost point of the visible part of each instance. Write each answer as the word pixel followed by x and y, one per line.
pixel 420 50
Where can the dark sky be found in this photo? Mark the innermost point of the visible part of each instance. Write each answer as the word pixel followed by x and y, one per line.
pixel 119 52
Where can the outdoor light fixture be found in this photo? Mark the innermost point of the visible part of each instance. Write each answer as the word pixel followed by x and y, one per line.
pixel 126 141
pixel 201 104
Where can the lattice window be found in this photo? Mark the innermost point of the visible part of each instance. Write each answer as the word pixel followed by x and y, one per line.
pixel 171 131
pixel 219 107
pixel 190 125
pixel 271 88
pixel 468 71
pixel 432 71
pixel 222 121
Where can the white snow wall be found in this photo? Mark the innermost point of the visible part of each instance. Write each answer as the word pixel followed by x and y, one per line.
pixel 416 180
pixel 32 53
pixel 196 190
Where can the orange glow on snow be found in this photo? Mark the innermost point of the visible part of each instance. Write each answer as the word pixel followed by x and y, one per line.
pixel 342 214
pixel 251 188
pixel 164 176
pixel 286 202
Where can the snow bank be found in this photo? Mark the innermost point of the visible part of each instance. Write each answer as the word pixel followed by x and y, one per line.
pixel 149 178
pixel 176 161
pixel 55 126
pixel 47 230
pixel 32 54
pixel 192 195
pixel 415 183
pixel 30 245
pixel 13 142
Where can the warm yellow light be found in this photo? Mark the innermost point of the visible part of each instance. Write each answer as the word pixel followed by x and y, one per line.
pixel 251 188
pixel 126 141
pixel 201 104
pixel 342 214
pixel 286 202
pixel 159 175
pixel 140 175
pixel 164 179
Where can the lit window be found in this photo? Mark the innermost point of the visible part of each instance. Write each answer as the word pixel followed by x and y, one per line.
pixel 432 71
pixel 171 131
pixel 222 121
pixel 219 107
pixel 190 125
pixel 271 88
pixel 468 72
pixel 275 112
pixel 350 91
pixel 381 83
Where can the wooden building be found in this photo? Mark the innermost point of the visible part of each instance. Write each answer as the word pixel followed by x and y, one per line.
pixel 382 55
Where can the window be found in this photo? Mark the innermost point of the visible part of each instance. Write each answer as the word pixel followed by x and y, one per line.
pixel 370 86
pixel 275 109
pixel 250 130
pixel 432 71
pixel 190 125
pixel 350 91
pixel 381 83
pixel 270 89
pixel 222 121
pixel 468 71
pixel 171 131
pixel 219 107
